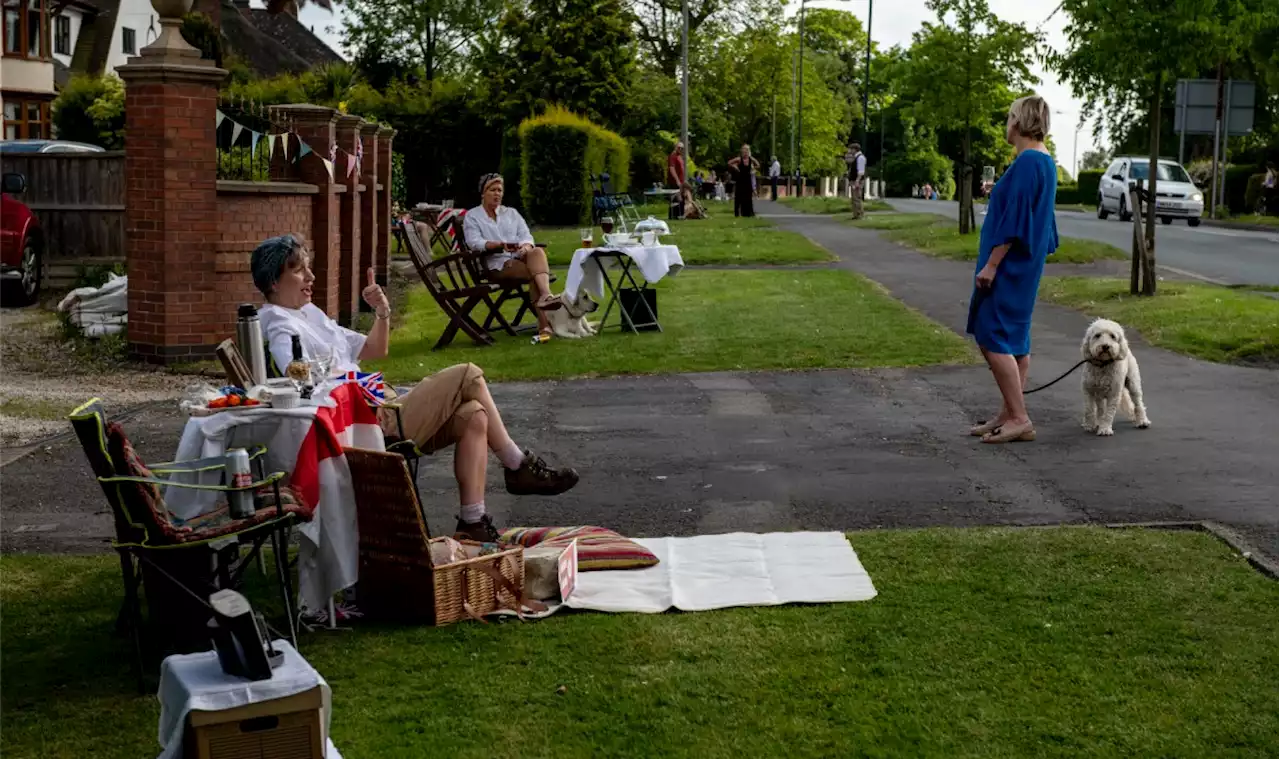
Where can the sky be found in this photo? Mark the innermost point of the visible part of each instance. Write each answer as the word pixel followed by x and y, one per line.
pixel 893 24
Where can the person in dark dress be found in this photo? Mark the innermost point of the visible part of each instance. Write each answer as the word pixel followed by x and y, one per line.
pixel 743 167
pixel 1018 234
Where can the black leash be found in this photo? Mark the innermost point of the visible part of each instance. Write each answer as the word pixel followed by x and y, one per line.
pixel 1068 372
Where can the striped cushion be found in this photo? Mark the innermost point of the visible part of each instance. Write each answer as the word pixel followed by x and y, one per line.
pixel 598 548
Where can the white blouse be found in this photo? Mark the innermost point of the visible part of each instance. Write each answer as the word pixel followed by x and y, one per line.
pixel 319 334
pixel 478 229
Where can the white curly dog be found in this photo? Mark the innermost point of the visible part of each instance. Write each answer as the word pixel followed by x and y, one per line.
pixel 1111 379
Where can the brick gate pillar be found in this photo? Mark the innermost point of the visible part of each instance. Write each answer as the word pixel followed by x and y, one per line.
pixel 381 260
pixel 350 277
pixel 372 224
pixel 314 125
pixel 176 313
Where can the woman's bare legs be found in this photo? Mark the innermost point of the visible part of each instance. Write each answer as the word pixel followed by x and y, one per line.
pixel 1024 365
pixel 496 431
pixel 1011 377
pixel 536 260
pixel 471 457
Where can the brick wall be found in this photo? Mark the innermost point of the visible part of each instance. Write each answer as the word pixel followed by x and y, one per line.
pixel 249 213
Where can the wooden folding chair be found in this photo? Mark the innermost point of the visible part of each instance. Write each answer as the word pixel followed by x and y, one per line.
pixel 453 284
pixel 234 365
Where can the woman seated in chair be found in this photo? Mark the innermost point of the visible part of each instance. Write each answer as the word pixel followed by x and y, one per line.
pixel 512 257
pixel 451 407
pixel 692 209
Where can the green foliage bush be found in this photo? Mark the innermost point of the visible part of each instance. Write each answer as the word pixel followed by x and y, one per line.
pixel 198 30
pixel 1237 185
pixel 560 154
pixel 1253 192
pixel 917 167
pixel 91 109
pixel 1087 186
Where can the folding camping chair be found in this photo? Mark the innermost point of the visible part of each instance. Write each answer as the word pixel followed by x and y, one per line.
pixel 621 201
pixel 152 542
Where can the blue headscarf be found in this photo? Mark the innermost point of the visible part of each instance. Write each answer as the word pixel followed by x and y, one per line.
pixel 269 259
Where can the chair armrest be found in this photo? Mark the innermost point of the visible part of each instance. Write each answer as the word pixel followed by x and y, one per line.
pixel 271 479
pixel 202 465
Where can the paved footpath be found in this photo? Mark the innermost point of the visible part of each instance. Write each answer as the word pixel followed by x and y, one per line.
pixel 840 449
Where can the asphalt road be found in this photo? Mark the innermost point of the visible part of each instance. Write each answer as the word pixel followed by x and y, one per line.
pixel 1214 254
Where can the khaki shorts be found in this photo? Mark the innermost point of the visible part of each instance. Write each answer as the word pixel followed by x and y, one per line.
pixel 437 410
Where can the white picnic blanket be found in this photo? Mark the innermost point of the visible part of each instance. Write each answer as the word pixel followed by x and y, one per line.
pixel 736 569
pixel 654 263
pixel 196 681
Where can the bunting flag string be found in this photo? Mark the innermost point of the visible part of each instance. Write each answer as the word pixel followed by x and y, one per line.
pixel 253 142
pixel 217 122
pixel 303 148
pixel 351 164
pixel 236 129
pixel 328 166
pixel 271 147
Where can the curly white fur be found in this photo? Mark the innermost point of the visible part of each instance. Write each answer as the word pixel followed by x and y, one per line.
pixel 571 320
pixel 1111 379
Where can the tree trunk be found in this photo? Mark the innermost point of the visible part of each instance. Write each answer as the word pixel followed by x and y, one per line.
pixel 966 194
pixel 1149 267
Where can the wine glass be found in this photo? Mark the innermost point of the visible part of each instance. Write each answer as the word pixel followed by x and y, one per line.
pixel 320 366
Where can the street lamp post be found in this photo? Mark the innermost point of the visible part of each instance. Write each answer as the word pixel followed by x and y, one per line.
pixel 684 87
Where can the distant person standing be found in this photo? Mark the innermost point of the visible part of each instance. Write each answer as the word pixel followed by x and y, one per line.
pixel 675 166
pixel 857 173
pixel 743 166
pixel 775 171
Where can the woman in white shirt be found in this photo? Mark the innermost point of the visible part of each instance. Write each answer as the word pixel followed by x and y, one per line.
pixel 502 233
pixel 451 407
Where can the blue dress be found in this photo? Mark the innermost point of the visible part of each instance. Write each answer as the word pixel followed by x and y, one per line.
pixel 1019 212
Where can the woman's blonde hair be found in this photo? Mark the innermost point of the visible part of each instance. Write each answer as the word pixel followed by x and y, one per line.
pixel 1031 116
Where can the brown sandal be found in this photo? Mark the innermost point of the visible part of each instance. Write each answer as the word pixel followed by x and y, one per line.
pixel 548 303
pixel 1001 435
pixel 982 428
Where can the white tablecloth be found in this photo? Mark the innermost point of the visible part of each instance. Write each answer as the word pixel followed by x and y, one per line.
pixel 328 553
pixel 654 263
pixel 196 681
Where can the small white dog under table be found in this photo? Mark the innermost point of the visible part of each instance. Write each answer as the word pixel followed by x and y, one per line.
pixel 589 270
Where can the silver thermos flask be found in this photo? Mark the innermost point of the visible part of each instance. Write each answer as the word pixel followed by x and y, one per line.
pixel 249 340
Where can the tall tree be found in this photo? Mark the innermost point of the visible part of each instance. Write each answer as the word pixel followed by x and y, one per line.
pixel 1095 160
pixel 659 23
pixel 1120 56
pixel 576 53
pixel 427 35
pixel 963 67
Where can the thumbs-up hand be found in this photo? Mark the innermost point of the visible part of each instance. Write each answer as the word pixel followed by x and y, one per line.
pixel 375 297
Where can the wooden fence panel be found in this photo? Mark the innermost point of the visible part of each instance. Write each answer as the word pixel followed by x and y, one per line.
pixel 79 200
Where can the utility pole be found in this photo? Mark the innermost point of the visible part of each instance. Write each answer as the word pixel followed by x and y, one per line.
pixel 800 106
pixel 866 87
pixel 684 87
pixel 794 111
pixel 773 127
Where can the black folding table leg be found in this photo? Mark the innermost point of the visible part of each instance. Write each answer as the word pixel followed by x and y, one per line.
pixel 282 569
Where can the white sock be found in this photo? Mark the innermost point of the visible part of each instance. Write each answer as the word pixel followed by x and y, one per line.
pixel 472 513
pixel 511 456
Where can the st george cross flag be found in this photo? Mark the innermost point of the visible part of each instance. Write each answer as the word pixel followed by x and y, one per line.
pixel 370 384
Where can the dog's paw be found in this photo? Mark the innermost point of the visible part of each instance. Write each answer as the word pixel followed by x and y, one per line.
pixel 1142 424
pixel 1085 424
pixel 1105 432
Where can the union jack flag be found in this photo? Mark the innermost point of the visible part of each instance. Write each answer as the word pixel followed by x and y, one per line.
pixel 370 384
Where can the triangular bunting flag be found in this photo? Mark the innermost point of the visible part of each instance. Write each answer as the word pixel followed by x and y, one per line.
pixel 303 148
pixel 236 129
pixel 217 122
pixel 253 142
pixel 271 146
pixel 351 164
pixel 284 145
pixel 328 166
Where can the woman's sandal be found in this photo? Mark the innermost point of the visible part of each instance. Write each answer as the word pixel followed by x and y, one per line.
pixel 1001 435
pixel 548 303
pixel 978 430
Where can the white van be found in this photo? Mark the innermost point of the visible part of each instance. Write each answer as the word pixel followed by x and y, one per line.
pixel 1177 197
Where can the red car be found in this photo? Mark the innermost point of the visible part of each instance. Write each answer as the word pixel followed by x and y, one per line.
pixel 21 245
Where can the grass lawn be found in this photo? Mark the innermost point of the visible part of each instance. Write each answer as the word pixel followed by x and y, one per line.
pixel 1070 642
pixel 831 205
pixel 712 321
pixel 1271 221
pixel 1206 321
pixel 720 240
pixel 938 236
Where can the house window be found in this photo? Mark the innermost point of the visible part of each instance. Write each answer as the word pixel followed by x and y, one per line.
pixel 26 119
pixel 62 35
pixel 130 41
pixel 26 29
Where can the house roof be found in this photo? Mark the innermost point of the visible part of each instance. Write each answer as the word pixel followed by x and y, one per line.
pixel 288 31
pixel 93 43
pixel 264 54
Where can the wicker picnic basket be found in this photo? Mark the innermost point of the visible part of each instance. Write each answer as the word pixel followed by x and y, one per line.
pixel 397 579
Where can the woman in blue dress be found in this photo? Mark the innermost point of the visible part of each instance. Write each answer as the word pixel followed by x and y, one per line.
pixel 1018 233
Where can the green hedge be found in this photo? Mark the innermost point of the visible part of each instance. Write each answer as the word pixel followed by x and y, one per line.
pixel 1087 186
pixel 1252 192
pixel 560 152
pixel 1236 186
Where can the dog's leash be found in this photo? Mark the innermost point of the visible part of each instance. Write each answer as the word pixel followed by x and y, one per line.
pixel 1068 372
